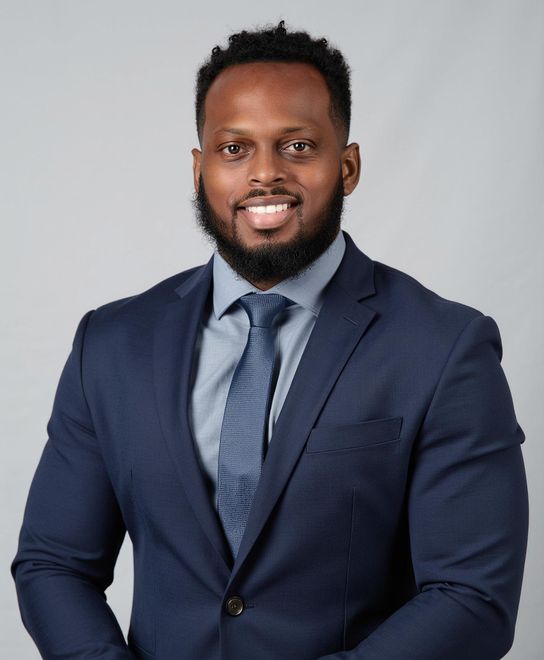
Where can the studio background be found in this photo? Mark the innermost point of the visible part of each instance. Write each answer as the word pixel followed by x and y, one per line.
pixel 96 127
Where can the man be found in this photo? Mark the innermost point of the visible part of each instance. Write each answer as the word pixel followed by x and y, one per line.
pixel 314 455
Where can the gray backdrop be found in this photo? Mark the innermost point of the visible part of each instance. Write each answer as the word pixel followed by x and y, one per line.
pixel 96 130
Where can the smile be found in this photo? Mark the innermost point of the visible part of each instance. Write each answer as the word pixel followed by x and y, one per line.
pixel 270 208
pixel 270 216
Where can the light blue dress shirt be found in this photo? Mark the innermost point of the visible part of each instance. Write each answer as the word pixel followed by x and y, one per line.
pixel 223 336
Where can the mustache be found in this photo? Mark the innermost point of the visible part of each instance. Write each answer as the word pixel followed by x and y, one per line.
pixel 261 192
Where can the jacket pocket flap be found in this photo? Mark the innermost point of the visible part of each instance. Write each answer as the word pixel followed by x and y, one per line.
pixel 354 436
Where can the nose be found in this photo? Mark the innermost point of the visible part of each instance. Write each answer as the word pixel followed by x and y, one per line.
pixel 266 168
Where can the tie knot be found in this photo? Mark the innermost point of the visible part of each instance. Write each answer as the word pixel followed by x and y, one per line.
pixel 263 308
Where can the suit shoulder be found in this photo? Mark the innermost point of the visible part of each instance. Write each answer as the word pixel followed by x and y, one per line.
pixel 416 306
pixel 139 309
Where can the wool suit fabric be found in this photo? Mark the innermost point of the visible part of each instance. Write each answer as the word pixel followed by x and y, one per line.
pixel 389 521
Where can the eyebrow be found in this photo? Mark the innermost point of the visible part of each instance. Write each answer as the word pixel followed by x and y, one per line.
pixel 242 131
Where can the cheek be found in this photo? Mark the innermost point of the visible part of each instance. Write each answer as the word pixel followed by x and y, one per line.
pixel 320 184
pixel 221 186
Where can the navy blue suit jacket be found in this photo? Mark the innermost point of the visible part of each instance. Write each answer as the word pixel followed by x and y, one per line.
pixel 390 521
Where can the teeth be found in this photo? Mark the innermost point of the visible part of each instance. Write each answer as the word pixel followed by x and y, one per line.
pixel 270 208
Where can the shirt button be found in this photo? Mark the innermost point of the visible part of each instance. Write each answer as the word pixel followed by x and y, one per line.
pixel 235 605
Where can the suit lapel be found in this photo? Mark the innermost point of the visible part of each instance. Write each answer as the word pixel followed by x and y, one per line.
pixel 339 327
pixel 174 345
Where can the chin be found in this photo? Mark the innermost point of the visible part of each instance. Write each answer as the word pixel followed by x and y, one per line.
pixel 262 236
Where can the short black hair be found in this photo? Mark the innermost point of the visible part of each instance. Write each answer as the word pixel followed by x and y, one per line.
pixel 276 44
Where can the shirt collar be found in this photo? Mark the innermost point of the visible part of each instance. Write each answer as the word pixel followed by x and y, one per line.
pixel 305 289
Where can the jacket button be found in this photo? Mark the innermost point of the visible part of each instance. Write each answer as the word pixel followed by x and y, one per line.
pixel 235 605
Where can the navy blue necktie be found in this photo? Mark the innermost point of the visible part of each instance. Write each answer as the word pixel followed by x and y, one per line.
pixel 243 432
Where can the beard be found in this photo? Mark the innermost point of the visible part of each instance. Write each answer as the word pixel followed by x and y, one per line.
pixel 272 261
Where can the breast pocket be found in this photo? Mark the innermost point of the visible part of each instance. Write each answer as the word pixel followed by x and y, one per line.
pixel 354 436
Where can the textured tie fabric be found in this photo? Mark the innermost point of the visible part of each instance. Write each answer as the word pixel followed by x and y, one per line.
pixel 242 443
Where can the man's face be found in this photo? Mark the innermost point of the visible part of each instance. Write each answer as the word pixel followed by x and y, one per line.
pixel 269 143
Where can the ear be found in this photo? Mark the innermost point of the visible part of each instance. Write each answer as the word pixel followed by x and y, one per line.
pixel 197 155
pixel 351 167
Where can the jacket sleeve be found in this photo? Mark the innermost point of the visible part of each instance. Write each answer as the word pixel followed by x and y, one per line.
pixel 71 534
pixel 468 516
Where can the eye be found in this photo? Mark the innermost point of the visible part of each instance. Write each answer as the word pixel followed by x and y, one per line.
pixel 299 147
pixel 231 149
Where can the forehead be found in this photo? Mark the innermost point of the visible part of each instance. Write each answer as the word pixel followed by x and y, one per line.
pixel 266 94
